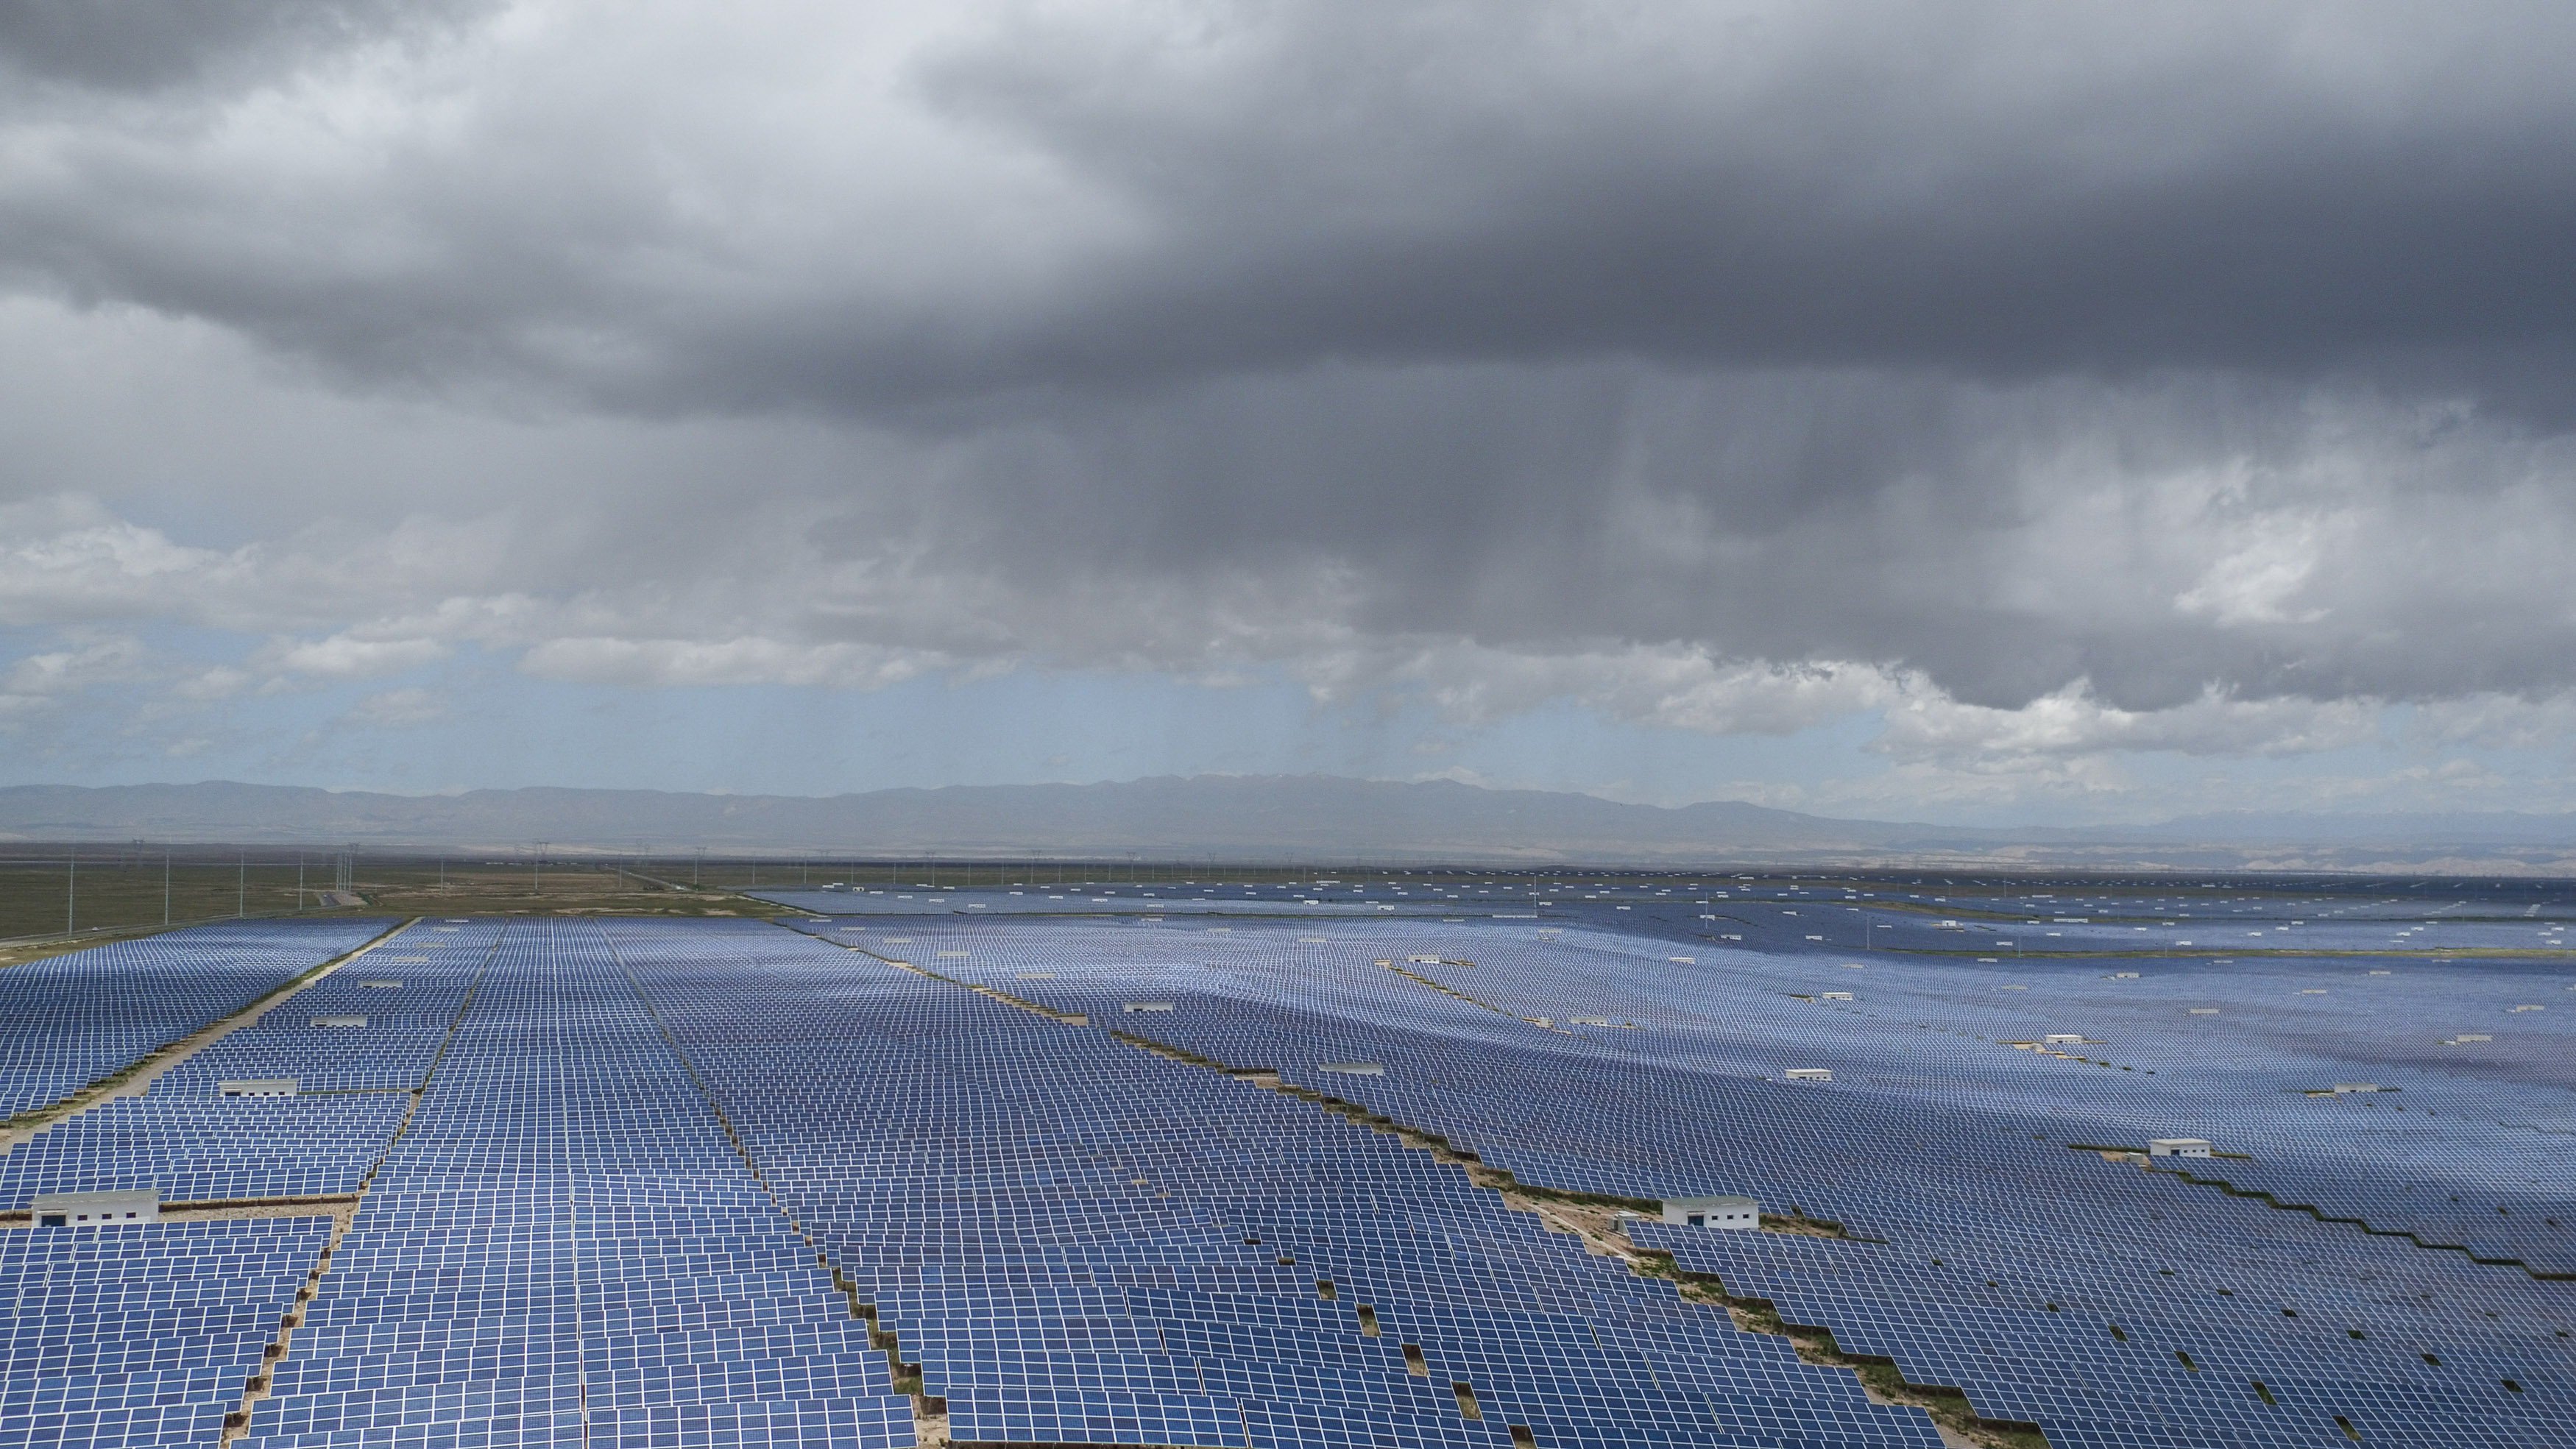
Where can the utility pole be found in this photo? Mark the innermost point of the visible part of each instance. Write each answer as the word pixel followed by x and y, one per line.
pixel 165 885
pixel 299 880
pixel 241 885
pixel 537 871
pixel 71 905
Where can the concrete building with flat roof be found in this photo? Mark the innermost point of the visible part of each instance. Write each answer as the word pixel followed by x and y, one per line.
pixel 259 1087
pixel 1713 1212
pixel 96 1209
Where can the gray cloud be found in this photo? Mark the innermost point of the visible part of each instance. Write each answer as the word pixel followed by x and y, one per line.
pixel 1990 187
pixel 2158 539
pixel 1118 197
pixel 2190 354
pixel 145 45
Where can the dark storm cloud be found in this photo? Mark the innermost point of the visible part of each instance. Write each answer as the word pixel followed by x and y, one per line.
pixel 2185 349
pixel 148 44
pixel 1997 188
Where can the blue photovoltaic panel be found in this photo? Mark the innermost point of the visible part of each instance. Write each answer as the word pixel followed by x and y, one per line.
pixel 679 1182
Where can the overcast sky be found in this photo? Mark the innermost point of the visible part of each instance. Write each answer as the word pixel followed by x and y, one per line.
pixel 1977 411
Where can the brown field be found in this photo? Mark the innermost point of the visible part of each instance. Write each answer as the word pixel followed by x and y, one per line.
pixel 117 892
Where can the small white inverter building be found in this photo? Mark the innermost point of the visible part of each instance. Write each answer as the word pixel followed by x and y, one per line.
pixel 1713 1212
pixel 97 1209
pixel 259 1087
pixel 2178 1147
pixel 1809 1074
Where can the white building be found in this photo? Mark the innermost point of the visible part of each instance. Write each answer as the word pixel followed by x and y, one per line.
pixel 1146 1006
pixel 1809 1074
pixel 339 1021
pixel 1353 1069
pixel 1713 1212
pixel 2178 1147
pixel 2343 1087
pixel 2064 1038
pixel 259 1087
pixel 97 1209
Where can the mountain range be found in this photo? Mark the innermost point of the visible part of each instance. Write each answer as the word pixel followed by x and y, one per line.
pixel 1257 818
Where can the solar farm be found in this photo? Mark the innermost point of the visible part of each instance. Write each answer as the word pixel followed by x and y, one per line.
pixel 1394 1160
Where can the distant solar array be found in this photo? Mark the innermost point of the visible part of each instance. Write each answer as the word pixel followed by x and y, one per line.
pixel 1942 1137
pixel 687 1182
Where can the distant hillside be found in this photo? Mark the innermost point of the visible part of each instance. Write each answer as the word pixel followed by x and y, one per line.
pixel 1261 816
pixel 1258 818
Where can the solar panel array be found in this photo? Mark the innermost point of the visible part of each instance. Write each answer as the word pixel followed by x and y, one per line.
pixel 1947 1143
pixel 142 1334
pixel 208 1149
pixel 683 1183
pixel 71 1020
pixel 1081 1243
pixel 564 1247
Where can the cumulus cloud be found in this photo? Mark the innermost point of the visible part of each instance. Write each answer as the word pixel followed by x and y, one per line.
pixel 68 561
pixel 343 656
pixel 655 662
pixel 39 682
pixel 397 709
pixel 2072 724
